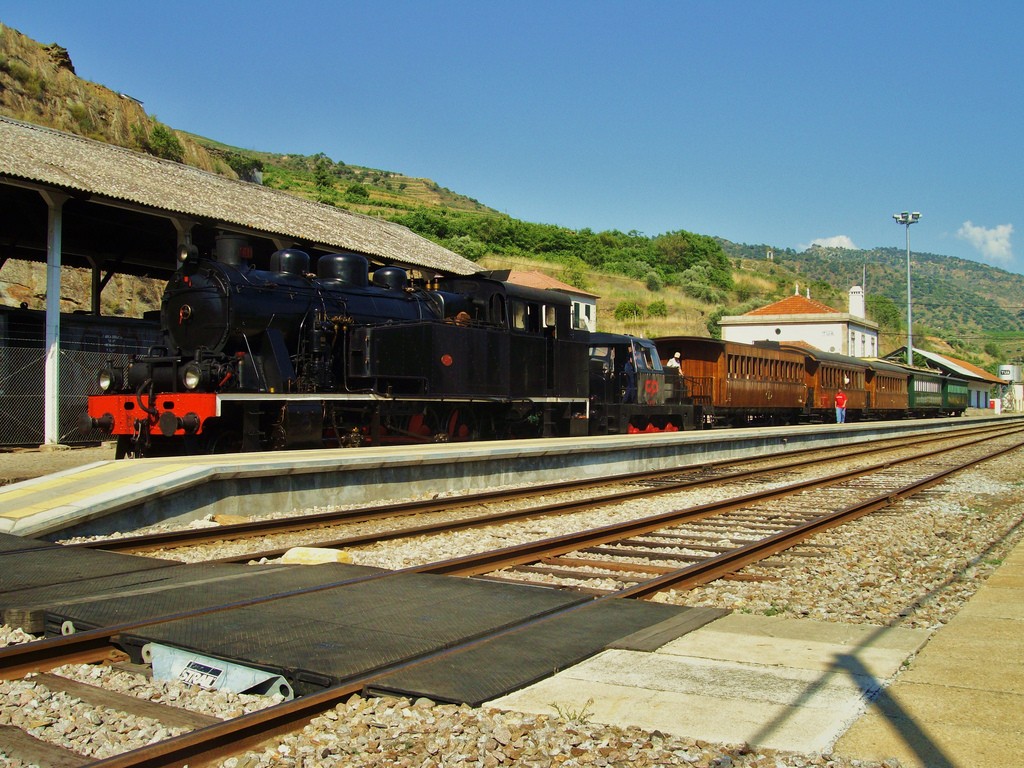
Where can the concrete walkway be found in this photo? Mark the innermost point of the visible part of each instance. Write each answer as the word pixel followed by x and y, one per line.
pixel 767 681
pixel 808 686
pixel 961 701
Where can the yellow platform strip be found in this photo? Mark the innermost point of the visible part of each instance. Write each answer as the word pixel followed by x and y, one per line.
pixel 56 492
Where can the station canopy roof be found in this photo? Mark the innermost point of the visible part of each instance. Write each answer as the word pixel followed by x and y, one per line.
pixel 125 210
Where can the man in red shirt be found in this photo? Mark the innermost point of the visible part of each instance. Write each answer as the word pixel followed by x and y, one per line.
pixel 840 407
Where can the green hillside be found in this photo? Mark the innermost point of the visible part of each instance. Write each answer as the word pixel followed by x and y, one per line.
pixel 975 309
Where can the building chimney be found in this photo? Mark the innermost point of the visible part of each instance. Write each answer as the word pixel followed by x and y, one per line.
pixel 857 302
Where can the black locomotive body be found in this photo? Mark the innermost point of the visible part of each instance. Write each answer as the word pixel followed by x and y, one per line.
pixel 276 358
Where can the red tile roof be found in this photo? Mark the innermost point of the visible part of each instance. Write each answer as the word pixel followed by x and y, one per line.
pixel 795 305
pixel 534 279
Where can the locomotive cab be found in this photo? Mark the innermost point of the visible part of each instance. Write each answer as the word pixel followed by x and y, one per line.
pixel 630 391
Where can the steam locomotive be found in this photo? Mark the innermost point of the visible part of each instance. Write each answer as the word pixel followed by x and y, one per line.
pixel 281 358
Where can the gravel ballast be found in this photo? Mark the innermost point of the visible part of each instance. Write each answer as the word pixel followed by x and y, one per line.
pixel 912 566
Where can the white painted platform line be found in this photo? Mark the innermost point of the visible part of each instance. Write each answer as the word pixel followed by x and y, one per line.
pixel 786 684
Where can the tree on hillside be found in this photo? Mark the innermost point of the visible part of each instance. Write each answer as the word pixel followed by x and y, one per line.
pixel 323 178
pixel 883 311
pixel 159 141
pixel 575 273
pixel 681 250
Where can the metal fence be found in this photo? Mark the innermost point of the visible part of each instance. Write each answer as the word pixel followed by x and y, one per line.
pixel 22 373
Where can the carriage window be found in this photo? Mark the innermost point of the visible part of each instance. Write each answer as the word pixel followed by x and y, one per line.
pixel 525 317
pixel 549 316
pixel 497 309
pixel 532 318
pixel 602 354
pixel 644 359
pixel 519 315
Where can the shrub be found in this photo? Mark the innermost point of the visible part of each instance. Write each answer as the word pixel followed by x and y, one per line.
pixel 80 114
pixel 159 141
pixel 246 168
pixel 628 310
pixel 163 142
pixel 357 193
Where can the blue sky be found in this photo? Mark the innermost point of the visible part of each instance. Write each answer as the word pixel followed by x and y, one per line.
pixel 784 123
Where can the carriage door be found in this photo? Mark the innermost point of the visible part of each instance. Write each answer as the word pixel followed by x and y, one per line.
pixel 647 384
pixel 549 345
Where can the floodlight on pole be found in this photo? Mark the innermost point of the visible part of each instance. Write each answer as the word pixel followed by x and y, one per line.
pixel 906 219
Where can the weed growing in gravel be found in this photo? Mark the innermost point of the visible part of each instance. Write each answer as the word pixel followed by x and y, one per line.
pixel 580 716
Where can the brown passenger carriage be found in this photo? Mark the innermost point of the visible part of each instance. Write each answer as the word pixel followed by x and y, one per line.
pixel 888 390
pixel 825 373
pixel 737 383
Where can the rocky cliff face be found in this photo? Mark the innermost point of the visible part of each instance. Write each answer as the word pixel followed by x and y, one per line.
pixel 24 283
pixel 38 85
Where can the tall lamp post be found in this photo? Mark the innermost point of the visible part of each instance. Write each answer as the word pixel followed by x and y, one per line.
pixel 906 219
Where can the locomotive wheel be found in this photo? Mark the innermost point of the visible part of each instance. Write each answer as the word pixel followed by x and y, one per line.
pixel 426 427
pixel 224 441
pixel 462 425
pixel 124 447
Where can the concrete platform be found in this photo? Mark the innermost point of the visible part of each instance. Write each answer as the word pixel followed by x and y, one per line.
pixel 961 701
pixel 766 681
pixel 810 687
pixel 110 496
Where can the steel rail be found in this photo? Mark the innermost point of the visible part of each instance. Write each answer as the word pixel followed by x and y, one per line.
pixel 728 562
pixel 519 554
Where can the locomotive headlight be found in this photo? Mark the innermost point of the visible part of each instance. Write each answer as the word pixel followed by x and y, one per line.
pixel 105 379
pixel 191 376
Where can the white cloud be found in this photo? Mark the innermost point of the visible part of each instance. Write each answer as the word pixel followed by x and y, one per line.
pixel 836 241
pixel 993 243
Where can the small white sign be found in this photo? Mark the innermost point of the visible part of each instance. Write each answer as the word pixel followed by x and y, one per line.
pixel 202 675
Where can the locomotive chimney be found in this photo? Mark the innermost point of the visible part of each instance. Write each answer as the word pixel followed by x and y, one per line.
pixel 232 249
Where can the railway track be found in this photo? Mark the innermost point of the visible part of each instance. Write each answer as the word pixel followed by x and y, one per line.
pixel 665 551
pixel 689 546
pixel 368 525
